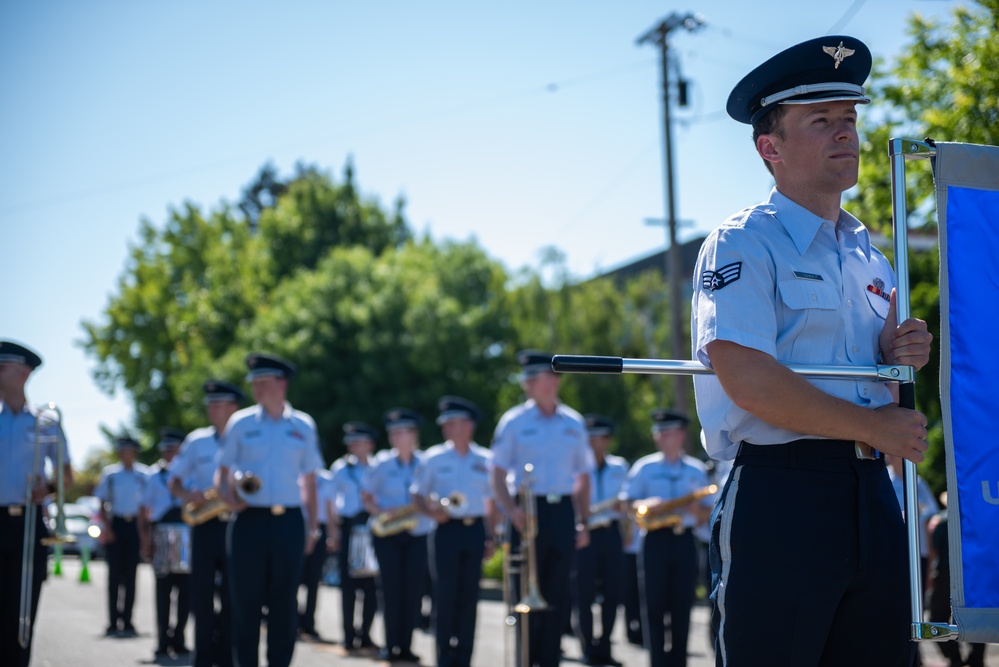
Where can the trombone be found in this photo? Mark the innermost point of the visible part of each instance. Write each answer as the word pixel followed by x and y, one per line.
pixel 48 430
pixel 530 595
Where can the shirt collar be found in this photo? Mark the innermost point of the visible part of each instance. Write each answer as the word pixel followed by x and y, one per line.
pixel 803 226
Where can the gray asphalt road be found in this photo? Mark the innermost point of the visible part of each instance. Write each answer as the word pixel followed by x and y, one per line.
pixel 72 617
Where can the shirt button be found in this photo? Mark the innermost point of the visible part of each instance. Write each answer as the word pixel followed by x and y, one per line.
pixel 855 348
pixel 815 297
pixel 849 303
pixel 865 392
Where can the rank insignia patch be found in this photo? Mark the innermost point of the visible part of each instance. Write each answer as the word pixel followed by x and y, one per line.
pixel 726 275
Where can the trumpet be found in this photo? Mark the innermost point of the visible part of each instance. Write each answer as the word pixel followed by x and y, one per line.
pixel 49 418
pixel 195 514
pixel 653 513
pixel 601 515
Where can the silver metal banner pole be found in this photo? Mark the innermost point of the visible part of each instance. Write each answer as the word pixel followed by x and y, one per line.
pixel 899 151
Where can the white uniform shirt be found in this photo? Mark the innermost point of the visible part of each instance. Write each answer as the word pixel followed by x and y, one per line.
pixel 122 489
pixel 157 497
pixel 389 481
pixel 608 482
pixel 195 463
pixel 558 447
pixel 443 471
pixel 345 485
pixel 654 476
pixel 276 451
pixel 779 279
pixel 17 451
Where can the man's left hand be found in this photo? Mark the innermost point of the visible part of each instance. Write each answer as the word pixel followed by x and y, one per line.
pixel 906 344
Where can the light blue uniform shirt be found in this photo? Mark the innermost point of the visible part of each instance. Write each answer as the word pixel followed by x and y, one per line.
pixel 324 479
pixel 122 489
pixel 654 476
pixel 195 463
pixel 345 486
pixel 779 279
pixel 443 471
pixel 558 447
pixel 157 497
pixel 389 481
pixel 276 451
pixel 17 451
pixel 925 503
pixel 608 482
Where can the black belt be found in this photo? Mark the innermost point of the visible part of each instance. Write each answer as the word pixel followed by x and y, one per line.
pixel 127 518
pixel 813 448
pixel 273 510
pixel 549 498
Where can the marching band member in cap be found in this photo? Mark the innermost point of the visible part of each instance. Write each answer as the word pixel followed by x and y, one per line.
pixel 551 436
pixel 265 450
pixel 667 564
pixel 451 486
pixel 159 506
pixel 192 473
pixel 120 490
pixel 402 555
pixel 18 473
pixel 598 565
pixel 796 280
pixel 346 511
pixel 312 568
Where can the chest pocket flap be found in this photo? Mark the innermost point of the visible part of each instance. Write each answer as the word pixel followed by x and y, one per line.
pixel 804 294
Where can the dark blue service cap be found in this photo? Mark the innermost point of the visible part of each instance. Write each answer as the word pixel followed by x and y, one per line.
pixel 217 391
pixel 358 431
pixel 668 420
pixel 831 68
pixel 533 362
pixel 598 425
pixel 401 418
pixel 127 442
pixel 456 407
pixel 14 353
pixel 268 365
pixel 170 437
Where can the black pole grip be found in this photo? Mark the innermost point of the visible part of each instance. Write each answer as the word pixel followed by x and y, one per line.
pixel 578 363
pixel 907 395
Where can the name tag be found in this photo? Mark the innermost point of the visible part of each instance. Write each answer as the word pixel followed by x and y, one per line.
pixel 807 276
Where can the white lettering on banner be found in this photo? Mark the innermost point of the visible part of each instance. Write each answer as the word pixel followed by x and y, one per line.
pixel 987 493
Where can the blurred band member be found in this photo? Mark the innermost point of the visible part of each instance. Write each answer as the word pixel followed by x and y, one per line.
pixel 551 436
pixel 18 424
pixel 120 490
pixel 160 507
pixel 192 474
pixel 266 450
pixel 452 487
pixel 346 511
pixel 402 555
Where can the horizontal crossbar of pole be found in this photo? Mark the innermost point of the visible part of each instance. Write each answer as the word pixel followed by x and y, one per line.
pixel 573 363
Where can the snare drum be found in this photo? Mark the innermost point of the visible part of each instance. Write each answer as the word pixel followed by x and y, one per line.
pixel 171 549
pixel 361 561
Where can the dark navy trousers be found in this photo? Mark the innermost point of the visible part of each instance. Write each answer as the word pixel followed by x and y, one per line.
pixel 210 598
pixel 11 552
pixel 456 552
pixel 402 564
pixel 598 567
pixel 122 557
pixel 265 564
pixel 667 572
pixel 808 559
pixel 351 586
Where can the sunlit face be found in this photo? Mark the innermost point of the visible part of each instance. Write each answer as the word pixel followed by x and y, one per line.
pixel 458 430
pixel 127 455
pixel 361 447
pixel 819 150
pixel 269 388
pixel 542 387
pixel 169 453
pixel 404 439
pixel 12 376
pixel 670 441
pixel 219 413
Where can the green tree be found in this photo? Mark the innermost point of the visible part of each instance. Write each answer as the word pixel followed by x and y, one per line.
pixel 943 85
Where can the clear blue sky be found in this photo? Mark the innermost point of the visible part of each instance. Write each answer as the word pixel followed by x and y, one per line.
pixel 520 124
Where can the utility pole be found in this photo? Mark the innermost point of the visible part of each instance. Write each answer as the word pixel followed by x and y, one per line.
pixel 659 35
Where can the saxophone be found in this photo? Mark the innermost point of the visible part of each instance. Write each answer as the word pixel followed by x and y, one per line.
pixel 654 513
pixel 600 514
pixel 404 519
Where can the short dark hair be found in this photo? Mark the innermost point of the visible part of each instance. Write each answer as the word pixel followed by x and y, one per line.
pixel 770 123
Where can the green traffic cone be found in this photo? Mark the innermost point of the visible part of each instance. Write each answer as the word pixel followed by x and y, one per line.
pixel 84 560
pixel 57 562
